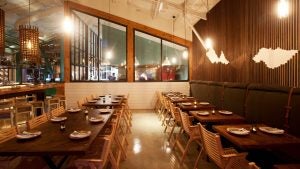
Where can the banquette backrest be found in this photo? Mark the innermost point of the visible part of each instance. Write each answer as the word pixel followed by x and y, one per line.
pixel 267 104
pixel 200 89
pixel 215 96
pixel 294 114
pixel 234 96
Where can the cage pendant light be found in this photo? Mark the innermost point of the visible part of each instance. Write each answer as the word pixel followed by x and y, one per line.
pixel 29 42
pixel 2 42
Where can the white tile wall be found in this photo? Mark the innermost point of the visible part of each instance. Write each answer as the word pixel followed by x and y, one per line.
pixel 141 95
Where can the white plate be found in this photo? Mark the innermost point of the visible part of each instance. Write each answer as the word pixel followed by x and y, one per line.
pixel 115 101
pixel 104 110
pixel 80 134
pixel 203 113
pixel 204 103
pixel 271 130
pixel 48 97
pixel 74 110
pixel 189 97
pixel 58 119
pixel 238 131
pixel 96 119
pixel 186 104
pixel 175 98
pixel 92 101
pixel 225 112
pixel 28 135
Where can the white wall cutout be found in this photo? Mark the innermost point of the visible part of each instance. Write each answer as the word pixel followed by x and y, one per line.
pixel 274 58
pixel 214 58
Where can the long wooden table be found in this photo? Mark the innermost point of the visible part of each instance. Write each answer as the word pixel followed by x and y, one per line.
pixel 115 101
pixel 53 141
pixel 258 139
pixel 216 117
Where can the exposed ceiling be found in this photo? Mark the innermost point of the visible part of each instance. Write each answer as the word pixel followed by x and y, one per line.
pixel 47 15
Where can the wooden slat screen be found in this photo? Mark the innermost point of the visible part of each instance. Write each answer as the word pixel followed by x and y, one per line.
pixel 240 28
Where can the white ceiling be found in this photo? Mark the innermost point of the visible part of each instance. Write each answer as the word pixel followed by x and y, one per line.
pixel 47 15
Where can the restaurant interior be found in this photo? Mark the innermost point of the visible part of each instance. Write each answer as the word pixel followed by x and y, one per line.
pixel 153 84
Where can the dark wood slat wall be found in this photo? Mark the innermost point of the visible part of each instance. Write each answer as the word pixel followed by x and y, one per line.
pixel 240 28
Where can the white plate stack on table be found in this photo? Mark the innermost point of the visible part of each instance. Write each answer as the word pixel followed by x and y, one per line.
pixel 28 134
pixel 80 134
pixel 271 130
pixel 58 119
pixel 238 131
pixel 225 112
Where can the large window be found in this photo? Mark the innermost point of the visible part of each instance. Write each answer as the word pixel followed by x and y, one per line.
pixel 98 49
pixel 159 60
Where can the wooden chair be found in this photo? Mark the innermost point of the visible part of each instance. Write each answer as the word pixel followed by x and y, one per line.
pixel 36 121
pixel 175 121
pixel 52 103
pixel 193 133
pixel 224 158
pixel 62 100
pixel 99 153
pixel 7 134
pixel 37 105
pixel 56 112
pixel 23 113
pixel 80 102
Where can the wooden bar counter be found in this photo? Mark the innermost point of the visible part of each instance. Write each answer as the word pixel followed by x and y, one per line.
pixel 19 90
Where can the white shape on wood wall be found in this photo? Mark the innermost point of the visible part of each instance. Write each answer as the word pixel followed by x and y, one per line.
pixel 213 57
pixel 274 58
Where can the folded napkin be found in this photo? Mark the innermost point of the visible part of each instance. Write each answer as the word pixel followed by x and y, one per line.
pixel 271 130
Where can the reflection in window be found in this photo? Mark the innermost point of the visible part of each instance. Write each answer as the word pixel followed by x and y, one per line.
pixel 147 57
pixel 175 64
pixel 98 49
pixel 159 60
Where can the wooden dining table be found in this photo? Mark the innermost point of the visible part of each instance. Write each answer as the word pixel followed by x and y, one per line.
pixel 258 139
pixel 216 117
pixel 189 106
pixel 56 142
pixel 103 102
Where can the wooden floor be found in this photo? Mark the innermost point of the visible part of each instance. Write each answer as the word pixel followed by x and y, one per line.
pixel 148 148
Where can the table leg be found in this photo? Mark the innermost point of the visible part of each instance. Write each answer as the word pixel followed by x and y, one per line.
pixel 51 163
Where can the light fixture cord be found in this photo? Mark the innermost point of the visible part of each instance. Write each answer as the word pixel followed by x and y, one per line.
pixel 29 13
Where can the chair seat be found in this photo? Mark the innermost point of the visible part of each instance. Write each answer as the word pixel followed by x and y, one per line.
pixel 95 150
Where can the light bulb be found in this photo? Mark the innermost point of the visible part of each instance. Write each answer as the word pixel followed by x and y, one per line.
pixel 208 43
pixel 174 60
pixel 283 8
pixel 185 54
pixel 68 25
pixel 29 45
pixel 108 54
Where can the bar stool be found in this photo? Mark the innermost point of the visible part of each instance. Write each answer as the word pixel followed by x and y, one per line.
pixel 22 113
pixel 36 105
pixel 20 100
pixel 52 103
pixel 6 113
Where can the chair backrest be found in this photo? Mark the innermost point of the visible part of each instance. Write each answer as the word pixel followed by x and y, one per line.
pixel 186 122
pixel 234 96
pixel 267 104
pixel 212 146
pixel 20 100
pixel 80 102
pixel 57 112
pixel 36 121
pixel 7 134
pixel 6 104
pixel 175 111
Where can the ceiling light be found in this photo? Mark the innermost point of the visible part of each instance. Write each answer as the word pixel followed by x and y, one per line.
pixel 68 25
pixel 174 60
pixel 282 8
pixel 185 54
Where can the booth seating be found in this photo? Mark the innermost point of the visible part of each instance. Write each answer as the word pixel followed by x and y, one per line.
pixel 294 114
pixel 267 104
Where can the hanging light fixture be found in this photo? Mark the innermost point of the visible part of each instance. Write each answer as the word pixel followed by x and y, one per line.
pixel 185 53
pixel 29 42
pixel 2 35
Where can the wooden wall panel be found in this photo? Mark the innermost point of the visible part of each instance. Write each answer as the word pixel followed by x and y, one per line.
pixel 240 28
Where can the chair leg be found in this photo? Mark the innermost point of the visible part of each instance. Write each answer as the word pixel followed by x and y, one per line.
pixel 171 133
pixel 198 158
pixel 185 151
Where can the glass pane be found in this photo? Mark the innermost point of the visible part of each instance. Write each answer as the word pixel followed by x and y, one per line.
pixel 98 49
pixel 175 62
pixel 113 58
pixel 147 57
